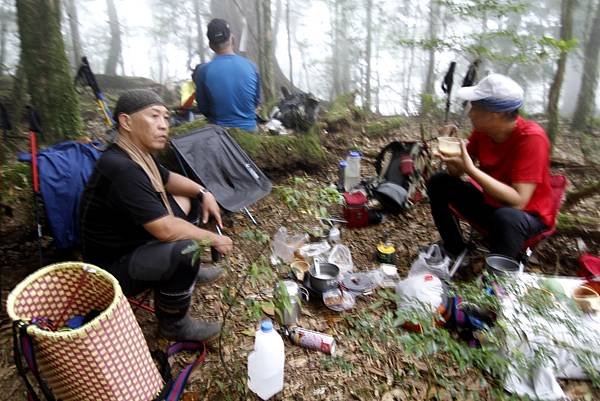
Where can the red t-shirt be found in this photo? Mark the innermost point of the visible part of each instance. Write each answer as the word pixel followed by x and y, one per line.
pixel 523 158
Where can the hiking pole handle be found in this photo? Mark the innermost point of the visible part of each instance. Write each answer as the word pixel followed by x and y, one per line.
pixel 34 120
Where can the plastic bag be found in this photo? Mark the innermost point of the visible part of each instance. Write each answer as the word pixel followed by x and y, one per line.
pixel 338 300
pixel 284 246
pixel 341 257
pixel 432 260
pixel 422 290
pixel 315 250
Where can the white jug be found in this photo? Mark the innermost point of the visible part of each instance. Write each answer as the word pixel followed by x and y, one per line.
pixel 266 362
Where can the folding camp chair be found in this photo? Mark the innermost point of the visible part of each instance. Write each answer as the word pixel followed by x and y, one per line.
pixel 559 185
pixel 212 158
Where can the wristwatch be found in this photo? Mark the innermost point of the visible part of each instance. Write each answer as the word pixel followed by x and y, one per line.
pixel 200 194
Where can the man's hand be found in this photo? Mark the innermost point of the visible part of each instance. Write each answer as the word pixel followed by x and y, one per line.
pixel 210 207
pixel 222 244
pixel 458 165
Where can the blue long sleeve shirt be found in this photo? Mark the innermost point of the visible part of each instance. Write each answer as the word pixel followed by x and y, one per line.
pixel 228 91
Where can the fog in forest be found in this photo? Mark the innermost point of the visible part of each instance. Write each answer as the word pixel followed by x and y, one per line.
pixel 411 43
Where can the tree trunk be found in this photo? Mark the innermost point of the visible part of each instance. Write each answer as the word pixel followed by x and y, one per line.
pixel 429 87
pixel 566 33
pixel 574 197
pixel 289 40
pixel 199 32
pixel 266 44
pixel 589 77
pixel 74 29
pixel 3 34
pixel 114 52
pixel 369 5
pixel 47 70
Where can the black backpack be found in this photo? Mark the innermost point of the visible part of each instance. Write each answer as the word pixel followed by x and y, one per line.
pixel 297 111
pixel 402 168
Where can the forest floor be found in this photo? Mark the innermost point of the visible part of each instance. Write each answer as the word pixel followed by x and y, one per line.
pixel 369 363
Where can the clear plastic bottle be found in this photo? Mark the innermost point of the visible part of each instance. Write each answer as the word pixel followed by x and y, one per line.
pixel 352 171
pixel 266 362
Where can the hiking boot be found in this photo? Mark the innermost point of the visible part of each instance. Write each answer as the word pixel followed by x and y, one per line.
pixel 188 329
pixel 208 274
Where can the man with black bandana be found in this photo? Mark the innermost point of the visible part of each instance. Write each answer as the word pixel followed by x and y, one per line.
pixel 514 201
pixel 136 218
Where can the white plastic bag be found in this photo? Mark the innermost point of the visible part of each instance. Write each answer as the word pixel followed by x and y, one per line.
pixel 341 257
pixel 432 260
pixel 284 246
pixel 422 290
pixel 316 250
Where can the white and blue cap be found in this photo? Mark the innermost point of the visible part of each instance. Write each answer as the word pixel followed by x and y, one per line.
pixel 496 92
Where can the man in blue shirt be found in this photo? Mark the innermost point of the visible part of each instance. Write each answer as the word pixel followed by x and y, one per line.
pixel 228 87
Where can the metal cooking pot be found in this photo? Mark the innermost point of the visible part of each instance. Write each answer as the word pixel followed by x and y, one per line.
pixel 500 264
pixel 323 276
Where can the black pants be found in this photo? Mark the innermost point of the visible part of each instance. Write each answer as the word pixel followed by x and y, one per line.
pixel 159 265
pixel 508 228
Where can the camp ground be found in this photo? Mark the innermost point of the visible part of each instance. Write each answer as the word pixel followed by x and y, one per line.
pixel 341 200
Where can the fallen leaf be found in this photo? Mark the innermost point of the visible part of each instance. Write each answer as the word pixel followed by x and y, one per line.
pixel 268 308
pixel 190 396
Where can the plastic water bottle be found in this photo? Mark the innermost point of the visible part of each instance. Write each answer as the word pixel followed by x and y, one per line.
pixel 352 172
pixel 341 175
pixel 265 363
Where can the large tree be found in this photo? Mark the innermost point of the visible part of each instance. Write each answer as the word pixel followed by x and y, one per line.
pixel 566 34
pixel 115 51
pixel 74 30
pixel 46 68
pixel 589 78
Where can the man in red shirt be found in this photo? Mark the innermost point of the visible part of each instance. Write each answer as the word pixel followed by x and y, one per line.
pixel 508 193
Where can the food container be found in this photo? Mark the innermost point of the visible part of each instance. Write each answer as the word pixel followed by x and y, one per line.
pixel 323 276
pixel 502 265
pixel 299 268
pixel 449 146
pixel 587 299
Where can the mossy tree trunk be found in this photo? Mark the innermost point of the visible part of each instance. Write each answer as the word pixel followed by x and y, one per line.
pixel 46 68
pixel 566 33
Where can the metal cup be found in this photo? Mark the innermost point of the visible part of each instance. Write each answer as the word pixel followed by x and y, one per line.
pixel 290 316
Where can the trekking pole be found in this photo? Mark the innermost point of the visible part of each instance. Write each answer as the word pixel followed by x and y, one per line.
pixel 34 129
pixel 447 87
pixel 85 76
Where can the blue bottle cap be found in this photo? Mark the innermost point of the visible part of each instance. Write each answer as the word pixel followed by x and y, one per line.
pixel 266 326
pixel 355 153
pixel 343 163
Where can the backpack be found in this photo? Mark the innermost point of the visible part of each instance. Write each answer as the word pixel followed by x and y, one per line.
pixel 297 111
pixel 402 168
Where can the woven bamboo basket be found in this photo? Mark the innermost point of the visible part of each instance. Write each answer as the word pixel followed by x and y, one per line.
pixel 106 359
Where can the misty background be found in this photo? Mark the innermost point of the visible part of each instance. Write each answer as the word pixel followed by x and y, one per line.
pixel 327 41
